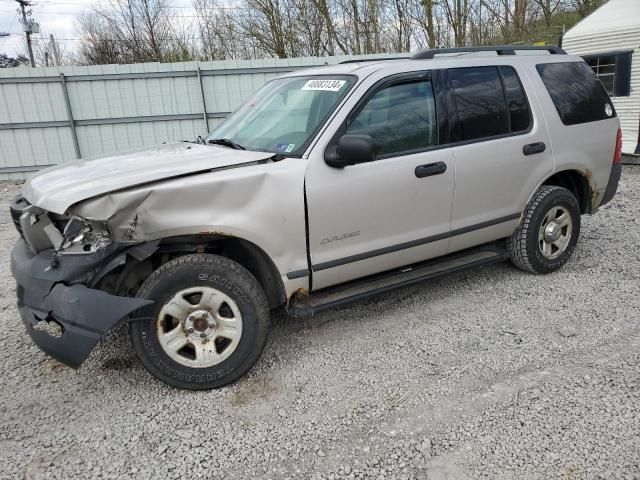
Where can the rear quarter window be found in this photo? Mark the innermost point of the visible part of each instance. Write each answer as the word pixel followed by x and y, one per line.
pixel 576 92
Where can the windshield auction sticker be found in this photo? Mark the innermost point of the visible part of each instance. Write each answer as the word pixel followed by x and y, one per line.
pixel 326 85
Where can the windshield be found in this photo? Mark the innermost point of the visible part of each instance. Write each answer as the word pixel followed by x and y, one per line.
pixel 283 116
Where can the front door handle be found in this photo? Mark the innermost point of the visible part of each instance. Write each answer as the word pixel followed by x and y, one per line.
pixel 534 148
pixel 431 169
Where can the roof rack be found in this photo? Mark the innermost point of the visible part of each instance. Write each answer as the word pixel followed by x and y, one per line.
pixel 359 60
pixel 500 50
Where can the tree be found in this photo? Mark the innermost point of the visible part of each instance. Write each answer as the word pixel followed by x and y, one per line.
pixel 427 6
pixel 10 62
pixel 270 24
pixel 133 31
pixel 457 12
pixel 97 48
pixel 548 9
pixel 332 45
pixel 44 50
pixel 427 21
pixel 585 7
pixel 129 31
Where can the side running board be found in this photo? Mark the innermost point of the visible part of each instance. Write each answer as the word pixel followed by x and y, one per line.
pixel 384 282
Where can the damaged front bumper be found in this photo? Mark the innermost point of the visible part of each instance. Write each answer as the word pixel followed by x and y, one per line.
pixel 58 295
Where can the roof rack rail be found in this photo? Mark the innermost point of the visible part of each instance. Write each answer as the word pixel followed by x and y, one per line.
pixel 500 50
pixel 359 60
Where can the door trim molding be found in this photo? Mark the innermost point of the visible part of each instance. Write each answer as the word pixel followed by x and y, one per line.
pixel 298 274
pixel 413 243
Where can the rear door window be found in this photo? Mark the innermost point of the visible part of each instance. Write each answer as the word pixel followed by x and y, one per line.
pixel 576 92
pixel 479 102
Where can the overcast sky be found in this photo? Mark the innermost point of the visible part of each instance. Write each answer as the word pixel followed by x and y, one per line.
pixel 55 17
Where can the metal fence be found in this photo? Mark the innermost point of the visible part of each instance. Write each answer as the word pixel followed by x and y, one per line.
pixel 52 115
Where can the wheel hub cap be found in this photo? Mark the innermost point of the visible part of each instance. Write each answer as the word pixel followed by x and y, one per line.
pixel 199 327
pixel 555 233
pixel 200 323
pixel 552 232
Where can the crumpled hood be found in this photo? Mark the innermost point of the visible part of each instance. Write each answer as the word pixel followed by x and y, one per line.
pixel 57 188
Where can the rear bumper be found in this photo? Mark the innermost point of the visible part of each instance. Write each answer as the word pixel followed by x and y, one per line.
pixel 612 184
pixel 57 295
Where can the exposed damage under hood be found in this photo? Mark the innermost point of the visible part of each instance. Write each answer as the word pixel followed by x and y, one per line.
pixel 57 188
pixel 178 190
pixel 262 203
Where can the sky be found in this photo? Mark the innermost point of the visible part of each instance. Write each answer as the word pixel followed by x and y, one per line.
pixel 55 17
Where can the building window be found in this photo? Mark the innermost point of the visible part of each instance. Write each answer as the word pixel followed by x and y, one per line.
pixel 614 71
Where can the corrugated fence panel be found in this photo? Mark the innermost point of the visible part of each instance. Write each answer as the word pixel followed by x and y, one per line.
pixel 21 149
pixel 97 140
pixel 31 102
pixel 116 108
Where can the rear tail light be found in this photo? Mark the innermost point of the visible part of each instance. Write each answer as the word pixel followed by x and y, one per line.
pixel 617 156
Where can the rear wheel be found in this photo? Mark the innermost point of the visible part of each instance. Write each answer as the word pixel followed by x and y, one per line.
pixel 549 231
pixel 208 324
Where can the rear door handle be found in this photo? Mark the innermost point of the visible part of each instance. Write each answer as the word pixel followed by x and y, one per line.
pixel 431 169
pixel 534 148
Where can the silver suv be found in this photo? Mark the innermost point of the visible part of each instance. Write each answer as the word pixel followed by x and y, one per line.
pixel 327 186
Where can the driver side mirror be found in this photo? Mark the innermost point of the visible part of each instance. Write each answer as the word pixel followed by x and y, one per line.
pixel 351 149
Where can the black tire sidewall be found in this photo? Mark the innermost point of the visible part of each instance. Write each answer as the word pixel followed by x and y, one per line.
pixel 238 287
pixel 563 198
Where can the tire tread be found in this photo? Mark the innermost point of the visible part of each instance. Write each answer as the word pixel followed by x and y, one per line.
pixel 517 243
pixel 253 290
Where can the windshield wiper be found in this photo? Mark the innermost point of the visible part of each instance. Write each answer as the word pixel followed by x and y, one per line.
pixel 225 142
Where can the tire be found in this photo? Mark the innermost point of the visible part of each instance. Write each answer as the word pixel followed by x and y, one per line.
pixel 531 247
pixel 208 325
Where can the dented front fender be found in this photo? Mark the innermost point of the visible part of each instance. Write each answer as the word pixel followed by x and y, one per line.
pixel 263 204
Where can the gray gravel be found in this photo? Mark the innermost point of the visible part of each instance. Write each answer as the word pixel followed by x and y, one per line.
pixel 488 374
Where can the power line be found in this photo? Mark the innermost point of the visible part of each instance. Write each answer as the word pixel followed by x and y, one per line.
pixel 216 8
pixel 83 13
pixel 113 39
pixel 169 7
pixel 4 40
pixel 85 6
pixel 139 40
pixel 15 15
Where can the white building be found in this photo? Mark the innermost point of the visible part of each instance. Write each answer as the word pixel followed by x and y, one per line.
pixel 609 40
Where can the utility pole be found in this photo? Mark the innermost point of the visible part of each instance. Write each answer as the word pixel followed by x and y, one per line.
pixel 54 47
pixel 27 26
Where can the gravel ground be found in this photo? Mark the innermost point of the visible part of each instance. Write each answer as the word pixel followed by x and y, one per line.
pixel 488 374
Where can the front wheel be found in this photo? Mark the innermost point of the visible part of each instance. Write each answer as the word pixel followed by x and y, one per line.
pixel 208 325
pixel 549 231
